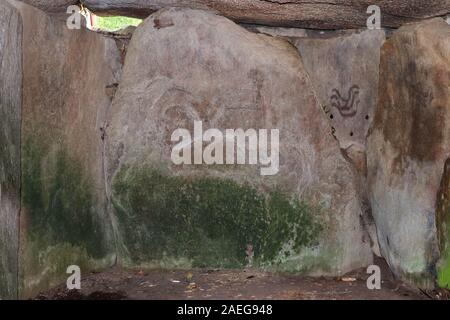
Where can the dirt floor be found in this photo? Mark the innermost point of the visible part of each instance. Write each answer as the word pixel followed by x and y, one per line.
pixel 117 284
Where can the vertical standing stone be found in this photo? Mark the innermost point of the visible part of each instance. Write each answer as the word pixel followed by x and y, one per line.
pixel 10 109
pixel 407 151
pixel 344 72
pixel 68 76
pixel 189 65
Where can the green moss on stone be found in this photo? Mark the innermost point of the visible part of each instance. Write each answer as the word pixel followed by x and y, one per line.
pixel 4 283
pixel 62 226
pixel 9 190
pixel 443 226
pixel 58 199
pixel 208 221
pixel 444 271
pixel 9 148
pixel 44 266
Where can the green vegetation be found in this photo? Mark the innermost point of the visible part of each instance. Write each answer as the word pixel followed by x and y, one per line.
pixel 59 201
pixel 9 149
pixel 208 221
pixel 443 269
pixel 116 23
pixel 9 190
pixel 443 223
pixel 4 283
pixel 444 272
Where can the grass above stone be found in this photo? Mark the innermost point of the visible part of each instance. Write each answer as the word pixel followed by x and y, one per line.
pixel 116 23
pixel 209 222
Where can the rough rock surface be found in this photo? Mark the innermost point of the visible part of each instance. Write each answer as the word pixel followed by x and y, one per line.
pixel 52 6
pixel 187 65
pixel 64 220
pixel 408 148
pixel 443 223
pixel 318 14
pixel 10 104
pixel 344 73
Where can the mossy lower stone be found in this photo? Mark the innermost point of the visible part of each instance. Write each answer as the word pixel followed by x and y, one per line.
pixel 206 222
pixel 58 198
pixel 44 266
pixel 444 271
pixel 443 224
pixel 64 211
pixel 408 145
pixel 10 111
pixel 61 227
pixel 222 78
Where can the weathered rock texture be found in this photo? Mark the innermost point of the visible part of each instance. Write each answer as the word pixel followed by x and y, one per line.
pixel 408 148
pixel 344 73
pixel 319 14
pixel 52 6
pixel 186 65
pixel 64 220
pixel 443 223
pixel 10 104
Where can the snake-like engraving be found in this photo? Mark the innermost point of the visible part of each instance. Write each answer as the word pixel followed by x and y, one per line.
pixel 347 107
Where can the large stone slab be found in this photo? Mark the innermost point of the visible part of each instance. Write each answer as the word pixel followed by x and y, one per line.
pixel 188 65
pixel 293 13
pixel 344 71
pixel 64 219
pixel 10 108
pixel 408 148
